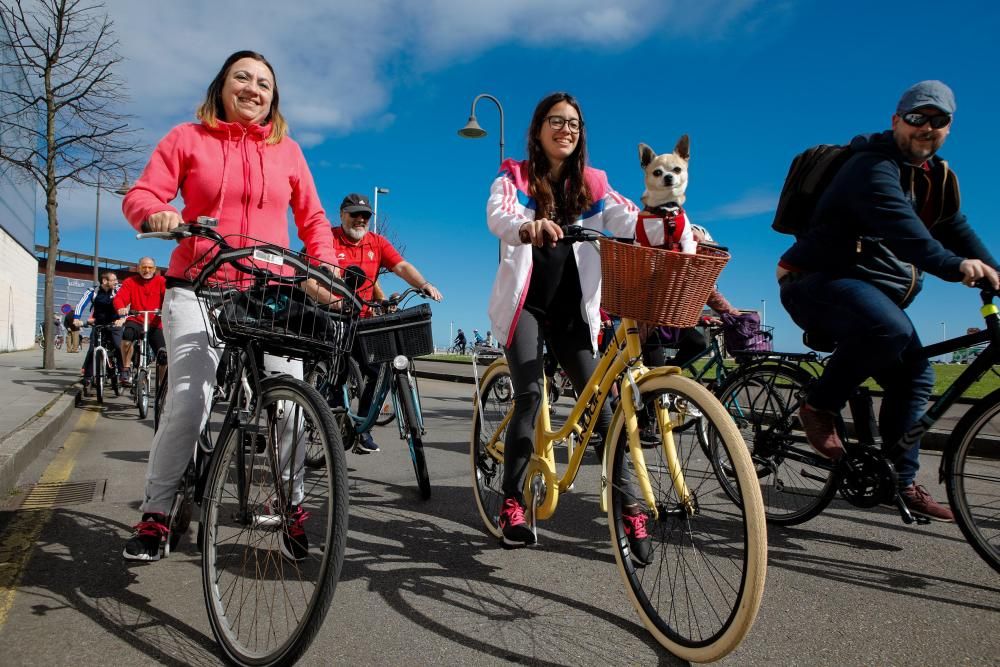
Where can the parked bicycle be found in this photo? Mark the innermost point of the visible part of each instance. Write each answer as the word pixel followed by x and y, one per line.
pixel 699 592
pixel 764 398
pixel 248 466
pixel 40 338
pixel 104 367
pixel 390 341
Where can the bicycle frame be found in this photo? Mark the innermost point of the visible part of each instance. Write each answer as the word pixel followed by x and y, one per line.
pixel 384 385
pixel 621 359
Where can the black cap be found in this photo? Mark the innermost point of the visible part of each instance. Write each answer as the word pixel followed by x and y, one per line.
pixel 355 203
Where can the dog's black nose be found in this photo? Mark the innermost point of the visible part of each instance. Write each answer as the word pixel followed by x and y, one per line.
pixel 668 179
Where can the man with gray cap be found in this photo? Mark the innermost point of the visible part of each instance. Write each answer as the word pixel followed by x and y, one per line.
pixel 890 214
pixel 354 245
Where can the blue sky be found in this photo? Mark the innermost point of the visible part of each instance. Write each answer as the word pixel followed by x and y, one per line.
pixel 376 94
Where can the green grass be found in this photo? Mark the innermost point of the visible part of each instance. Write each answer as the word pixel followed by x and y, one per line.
pixel 945 375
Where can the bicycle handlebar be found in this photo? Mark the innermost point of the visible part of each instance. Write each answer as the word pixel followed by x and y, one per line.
pixel 204 226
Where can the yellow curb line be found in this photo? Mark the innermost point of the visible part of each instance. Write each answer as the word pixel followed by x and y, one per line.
pixel 21 535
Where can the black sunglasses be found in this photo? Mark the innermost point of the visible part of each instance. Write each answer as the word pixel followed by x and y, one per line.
pixel 364 215
pixel 921 119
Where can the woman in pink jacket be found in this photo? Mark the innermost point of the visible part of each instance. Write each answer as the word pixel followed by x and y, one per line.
pixel 238 165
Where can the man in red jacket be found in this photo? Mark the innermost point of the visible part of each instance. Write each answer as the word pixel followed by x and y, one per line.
pixel 138 293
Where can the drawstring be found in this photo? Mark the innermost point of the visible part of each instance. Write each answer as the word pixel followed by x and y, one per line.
pixel 263 175
pixel 225 176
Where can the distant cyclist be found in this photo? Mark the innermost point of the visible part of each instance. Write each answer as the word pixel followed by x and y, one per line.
pixel 460 341
pixel 100 300
pixel 142 292
pixel 478 337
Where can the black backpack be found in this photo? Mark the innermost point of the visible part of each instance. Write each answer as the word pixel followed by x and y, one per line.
pixel 808 177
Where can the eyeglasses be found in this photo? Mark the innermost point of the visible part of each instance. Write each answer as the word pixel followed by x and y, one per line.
pixel 361 214
pixel 558 122
pixel 921 119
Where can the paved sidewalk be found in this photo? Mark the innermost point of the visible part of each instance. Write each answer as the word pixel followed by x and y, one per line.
pixel 35 405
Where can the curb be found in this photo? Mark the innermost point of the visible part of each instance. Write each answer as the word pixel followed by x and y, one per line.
pixel 446 377
pixel 22 446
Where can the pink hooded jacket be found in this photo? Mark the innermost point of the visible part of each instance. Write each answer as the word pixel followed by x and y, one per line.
pixel 229 172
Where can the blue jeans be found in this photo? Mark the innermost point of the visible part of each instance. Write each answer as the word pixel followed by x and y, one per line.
pixel 875 338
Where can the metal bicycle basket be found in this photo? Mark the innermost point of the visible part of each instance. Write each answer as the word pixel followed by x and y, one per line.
pixel 658 286
pixel 406 332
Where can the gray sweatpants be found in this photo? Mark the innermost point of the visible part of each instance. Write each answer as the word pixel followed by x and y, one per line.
pixel 191 377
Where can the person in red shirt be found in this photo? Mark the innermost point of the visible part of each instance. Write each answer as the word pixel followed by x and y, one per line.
pixel 354 245
pixel 142 292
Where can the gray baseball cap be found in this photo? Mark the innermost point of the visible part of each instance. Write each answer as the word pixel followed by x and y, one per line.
pixel 927 94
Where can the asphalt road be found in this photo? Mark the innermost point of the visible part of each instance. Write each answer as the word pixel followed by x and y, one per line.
pixel 423 584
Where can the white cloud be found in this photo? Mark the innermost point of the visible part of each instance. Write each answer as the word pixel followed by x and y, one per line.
pixel 750 204
pixel 331 58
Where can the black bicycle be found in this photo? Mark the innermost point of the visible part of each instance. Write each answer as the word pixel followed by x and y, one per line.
pixel 764 397
pixel 268 573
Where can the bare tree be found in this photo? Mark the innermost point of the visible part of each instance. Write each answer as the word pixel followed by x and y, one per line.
pixel 385 229
pixel 61 119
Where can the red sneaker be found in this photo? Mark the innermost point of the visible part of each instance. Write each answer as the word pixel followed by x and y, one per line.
pixel 821 431
pixel 516 531
pixel 639 543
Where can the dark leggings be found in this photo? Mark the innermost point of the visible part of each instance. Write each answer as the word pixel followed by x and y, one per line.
pixel 569 342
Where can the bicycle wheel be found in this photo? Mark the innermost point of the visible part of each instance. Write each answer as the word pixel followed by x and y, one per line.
pixel 100 368
pixel 972 475
pixel 160 401
pixel 409 423
pixel 699 593
pixel 142 392
pixel 268 573
pixel 113 377
pixel 486 450
pixel 796 482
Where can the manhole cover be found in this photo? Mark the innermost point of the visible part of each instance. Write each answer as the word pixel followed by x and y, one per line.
pixel 59 494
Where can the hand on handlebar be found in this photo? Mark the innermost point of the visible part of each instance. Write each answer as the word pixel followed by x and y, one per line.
pixel 540 232
pixel 164 221
pixel 432 292
pixel 974 270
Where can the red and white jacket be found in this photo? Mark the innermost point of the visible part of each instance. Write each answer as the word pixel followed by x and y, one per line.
pixel 509 206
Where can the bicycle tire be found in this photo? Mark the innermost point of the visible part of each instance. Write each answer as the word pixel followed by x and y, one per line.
pixel 707 551
pixel 100 368
pixel 160 401
pixel 142 392
pixel 488 466
pixel 241 561
pixel 410 425
pixel 113 377
pixel 796 483
pixel 972 477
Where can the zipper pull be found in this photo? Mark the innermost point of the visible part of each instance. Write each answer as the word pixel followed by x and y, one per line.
pixel 858 246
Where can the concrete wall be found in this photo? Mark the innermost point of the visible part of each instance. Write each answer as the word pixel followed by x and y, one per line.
pixel 18 269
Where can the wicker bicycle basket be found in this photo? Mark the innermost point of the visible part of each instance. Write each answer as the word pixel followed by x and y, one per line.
pixel 658 286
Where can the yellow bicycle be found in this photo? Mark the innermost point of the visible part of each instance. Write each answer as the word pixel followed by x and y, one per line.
pixel 701 590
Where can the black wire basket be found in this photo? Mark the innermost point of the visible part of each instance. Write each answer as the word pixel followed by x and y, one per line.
pixel 258 292
pixel 406 332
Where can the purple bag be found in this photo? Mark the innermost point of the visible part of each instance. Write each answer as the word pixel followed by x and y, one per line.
pixel 742 333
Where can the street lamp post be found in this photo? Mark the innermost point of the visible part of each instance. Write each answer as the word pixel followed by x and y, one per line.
pixel 472 130
pixel 123 190
pixel 378 191
pixel 763 312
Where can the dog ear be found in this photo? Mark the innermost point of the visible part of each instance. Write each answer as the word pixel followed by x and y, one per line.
pixel 646 155
pixel 683 147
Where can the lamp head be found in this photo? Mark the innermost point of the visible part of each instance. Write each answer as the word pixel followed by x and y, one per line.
pixel 472 130
pixel 123 188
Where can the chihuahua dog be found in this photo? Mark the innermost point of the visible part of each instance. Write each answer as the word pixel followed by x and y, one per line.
pixel 663 223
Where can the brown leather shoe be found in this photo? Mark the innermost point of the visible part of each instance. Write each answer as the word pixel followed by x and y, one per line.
pixel 918 501
pixel 821 431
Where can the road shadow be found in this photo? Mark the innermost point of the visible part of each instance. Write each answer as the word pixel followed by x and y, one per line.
pixel 77 564
pixel 435 578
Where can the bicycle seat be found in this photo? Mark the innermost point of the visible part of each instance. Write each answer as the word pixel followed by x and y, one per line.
pixel 819 342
